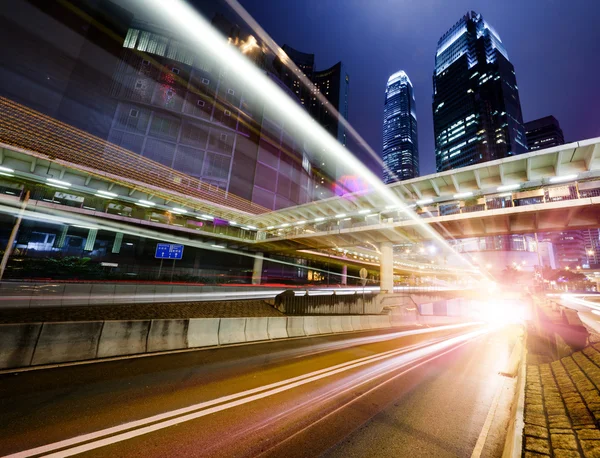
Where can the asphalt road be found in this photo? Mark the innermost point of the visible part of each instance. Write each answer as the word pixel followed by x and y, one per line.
pixel 411 393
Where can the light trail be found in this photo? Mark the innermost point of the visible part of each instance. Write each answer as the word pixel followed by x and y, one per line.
pixel 184 18
pixel 60 217
pixel 393 360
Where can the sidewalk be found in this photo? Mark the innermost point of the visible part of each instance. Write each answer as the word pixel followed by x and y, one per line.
pixel 562 406
pixel 176 310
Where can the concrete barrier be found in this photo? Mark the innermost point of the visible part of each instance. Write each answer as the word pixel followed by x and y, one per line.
pixel 45 295
pixel 17 343
pixel 102 294
pixel 311 326
pixel 426 309
pixel 162 292
pixel 256 329
pixel 453 307
pixel 336 323
pixel 232 330
pixel 295 326
pixel 76 294
pixel 384 322
pixel 277 327
pixel 356 323
pixel 125 294
pixel 144 294
pixel 123 338
pixel 346 323
pixel 324 324
pixel 365 322
pixel 167 335
pixel 203 332
pixel 62 342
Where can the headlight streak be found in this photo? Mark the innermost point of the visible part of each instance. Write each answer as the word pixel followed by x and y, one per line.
pixel 186 19
pixel 400 359
pixel 59 217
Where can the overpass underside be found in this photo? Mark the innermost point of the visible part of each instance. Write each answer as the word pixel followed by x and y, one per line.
pixel 581 213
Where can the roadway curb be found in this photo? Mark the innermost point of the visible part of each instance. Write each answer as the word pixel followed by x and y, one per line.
pixel 513 443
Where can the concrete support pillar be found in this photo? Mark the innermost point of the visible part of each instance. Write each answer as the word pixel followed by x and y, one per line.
pixel 257 269
pixel 344 274
pixel 386 272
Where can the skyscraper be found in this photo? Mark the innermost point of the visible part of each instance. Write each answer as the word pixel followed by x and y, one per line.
pixel 400 143
pixel 476 108
pixel 333 83
pixel 543 133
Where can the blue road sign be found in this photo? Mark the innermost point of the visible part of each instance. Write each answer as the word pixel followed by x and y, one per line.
pixel 168 251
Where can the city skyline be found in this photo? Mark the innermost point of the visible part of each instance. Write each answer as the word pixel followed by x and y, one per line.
pixel 525 29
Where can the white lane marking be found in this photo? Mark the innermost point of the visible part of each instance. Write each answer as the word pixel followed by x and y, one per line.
pixel 203 405
pixel 369 391
pixel 165 424
pixel 488 422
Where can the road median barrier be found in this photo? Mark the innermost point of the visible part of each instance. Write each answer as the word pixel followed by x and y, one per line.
pixel 311 326
pixel 17 344
pixel 346 322
pixel 120 338
pixel 324 324
pixel 295 326
pixel 277 327
pixel 232 330
pixel 256 329
pixel 203 332
pixel 167 335
pixel 336 323
pixel 65 342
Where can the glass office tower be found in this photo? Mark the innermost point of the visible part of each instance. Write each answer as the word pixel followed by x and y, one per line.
pixel 400 144
pixel 476 108
pixel 544 133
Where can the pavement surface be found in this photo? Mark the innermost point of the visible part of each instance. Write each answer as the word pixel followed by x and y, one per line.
pixel 157 311
pixel 430 392
pixel 562 397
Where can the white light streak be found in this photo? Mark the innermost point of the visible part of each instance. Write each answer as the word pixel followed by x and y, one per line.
pixel 462 195
pixel 508 187
pixel 106 193
pixel 563 178
pixel 58 182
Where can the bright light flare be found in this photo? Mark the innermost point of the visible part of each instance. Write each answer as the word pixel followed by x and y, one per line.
pixel 182 17
pixel 500 312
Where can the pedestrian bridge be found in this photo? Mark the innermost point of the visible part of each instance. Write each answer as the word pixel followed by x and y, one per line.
pixel 552 189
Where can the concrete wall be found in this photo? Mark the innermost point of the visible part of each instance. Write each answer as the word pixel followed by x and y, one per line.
pixel 23 345
pixel 39 294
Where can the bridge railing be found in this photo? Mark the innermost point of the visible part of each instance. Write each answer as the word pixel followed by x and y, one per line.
pixel 530 196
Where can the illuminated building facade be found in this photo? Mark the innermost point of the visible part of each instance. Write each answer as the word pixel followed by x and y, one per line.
pixel 400 142
pixel 70 83
pixel 544 133
pixel 569 247
pixel 334 84
pixel 476 108
pixel 186 111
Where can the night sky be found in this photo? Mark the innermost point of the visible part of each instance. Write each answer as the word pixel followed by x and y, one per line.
pixel 554 46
